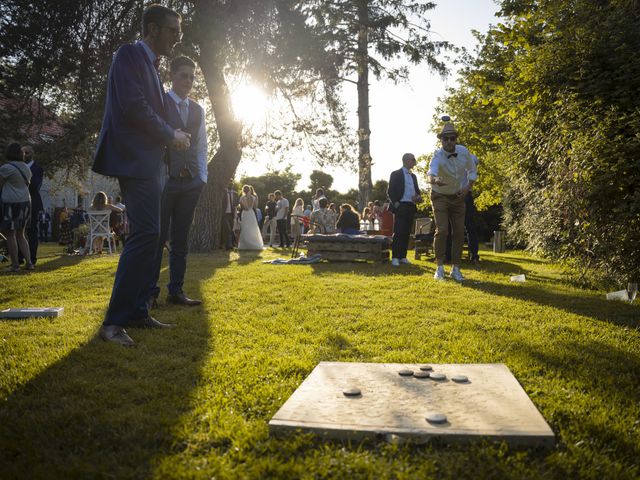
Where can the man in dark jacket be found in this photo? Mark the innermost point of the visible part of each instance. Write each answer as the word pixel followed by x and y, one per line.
pixel 37 175
pixel 404 194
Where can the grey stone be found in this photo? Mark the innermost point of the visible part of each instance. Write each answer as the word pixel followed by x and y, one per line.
pixel 351 392
pixel 405 372
pixel 460 378
pixel 426 368
pixel 421 374
pixel 438 376
pixel 436 417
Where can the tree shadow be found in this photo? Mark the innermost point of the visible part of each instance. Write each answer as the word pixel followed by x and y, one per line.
pixel 366 268
pixel 598 308
pixel 104 410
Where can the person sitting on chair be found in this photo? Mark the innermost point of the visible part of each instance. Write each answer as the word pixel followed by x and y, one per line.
pixel 100 204
pixel 349 221
pixel 323 220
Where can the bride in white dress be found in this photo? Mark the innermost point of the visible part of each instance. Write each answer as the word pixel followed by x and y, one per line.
pixel 250 235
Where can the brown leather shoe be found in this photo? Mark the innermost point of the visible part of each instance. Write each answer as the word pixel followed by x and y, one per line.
pixel 182 299
pixel 116 334
pixel 150 322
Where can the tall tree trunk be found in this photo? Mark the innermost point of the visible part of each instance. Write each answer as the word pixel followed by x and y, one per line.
pixel 364 133
pixel 206 231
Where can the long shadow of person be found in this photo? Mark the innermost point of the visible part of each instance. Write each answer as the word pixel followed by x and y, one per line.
pixel 104 410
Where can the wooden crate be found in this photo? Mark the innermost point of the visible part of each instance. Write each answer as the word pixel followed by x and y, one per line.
pixel 358 249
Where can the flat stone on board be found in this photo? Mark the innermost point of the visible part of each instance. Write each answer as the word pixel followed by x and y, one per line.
pixel 426 368
pixel 438 376
pixel 436 417
pixel 460 378
pixel 421 374
pixel 351 392
pixel 405 372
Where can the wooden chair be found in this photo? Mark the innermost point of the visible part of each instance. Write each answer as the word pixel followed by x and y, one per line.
pixel 423 236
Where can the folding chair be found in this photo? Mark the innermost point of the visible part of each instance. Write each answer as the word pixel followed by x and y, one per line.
pixel 296 240
pixel 99 228
pixel 423 236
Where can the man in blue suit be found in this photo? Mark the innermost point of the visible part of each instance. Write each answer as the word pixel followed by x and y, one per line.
pixel 131 145
pixel 187 176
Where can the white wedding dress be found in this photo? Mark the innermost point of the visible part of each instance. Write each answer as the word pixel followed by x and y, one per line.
pixel 250 235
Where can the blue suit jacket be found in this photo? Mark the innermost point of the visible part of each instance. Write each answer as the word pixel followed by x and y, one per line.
pixel 134 132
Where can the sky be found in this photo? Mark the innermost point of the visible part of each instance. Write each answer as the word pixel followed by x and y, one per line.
pixel 400 115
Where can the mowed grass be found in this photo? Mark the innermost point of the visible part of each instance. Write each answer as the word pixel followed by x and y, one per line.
pixel 195 402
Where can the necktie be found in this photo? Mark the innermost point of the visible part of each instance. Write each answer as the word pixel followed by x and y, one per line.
pixel 452 155
pixel 183 112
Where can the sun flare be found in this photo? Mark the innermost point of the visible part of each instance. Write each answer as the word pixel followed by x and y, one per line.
pixel 249 104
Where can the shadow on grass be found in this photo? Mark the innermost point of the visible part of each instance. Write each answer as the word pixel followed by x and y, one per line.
pixel 597 308
pixel 105 410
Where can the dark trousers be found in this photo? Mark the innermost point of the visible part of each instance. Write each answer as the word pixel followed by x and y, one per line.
pixel 282 231
pixel 470 226
pixel 227 231
pixel 43 231
pixel 177 207
pixel 402 225
pixel 135 268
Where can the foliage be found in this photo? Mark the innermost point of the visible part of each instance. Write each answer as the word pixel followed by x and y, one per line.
pixel 194 402
pixel 550 105
pixel 320 179
pixel 283 180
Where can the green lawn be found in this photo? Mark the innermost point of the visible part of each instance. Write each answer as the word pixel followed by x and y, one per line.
pixel 194 402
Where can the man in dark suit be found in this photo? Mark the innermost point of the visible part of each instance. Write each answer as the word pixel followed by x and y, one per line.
pixel 37 175
pixel 131 145
pixel 403 193
pixel 231 203
pixel 187 176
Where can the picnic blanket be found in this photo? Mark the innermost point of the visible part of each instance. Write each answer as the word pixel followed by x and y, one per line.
pixel 301 260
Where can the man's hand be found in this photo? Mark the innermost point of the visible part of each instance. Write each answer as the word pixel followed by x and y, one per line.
pixel 433 179
pixel 416 199
pixel 181 140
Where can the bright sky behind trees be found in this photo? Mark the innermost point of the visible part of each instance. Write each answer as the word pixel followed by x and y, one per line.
pixel 400 114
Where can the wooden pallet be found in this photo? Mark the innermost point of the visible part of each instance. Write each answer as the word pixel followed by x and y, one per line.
pixel 347 251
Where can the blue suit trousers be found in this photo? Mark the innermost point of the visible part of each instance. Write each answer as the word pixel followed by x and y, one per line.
pixel 135 268
pixel 178 205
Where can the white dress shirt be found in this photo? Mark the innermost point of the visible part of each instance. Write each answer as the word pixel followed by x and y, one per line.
pixel 409 186
pixel 456 170
pixel 201 147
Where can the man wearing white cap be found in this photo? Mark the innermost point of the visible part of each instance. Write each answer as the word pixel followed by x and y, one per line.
pixel 451 174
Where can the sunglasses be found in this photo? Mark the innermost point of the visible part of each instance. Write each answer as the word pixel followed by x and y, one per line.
pixel 449 138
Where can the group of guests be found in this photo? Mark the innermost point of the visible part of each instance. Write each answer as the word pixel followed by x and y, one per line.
pixel 20 203
pixel 281 222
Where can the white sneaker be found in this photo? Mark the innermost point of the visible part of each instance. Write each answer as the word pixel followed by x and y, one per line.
pixel 439 275
pixel 405 261
pixel 395 262
pixel 456 274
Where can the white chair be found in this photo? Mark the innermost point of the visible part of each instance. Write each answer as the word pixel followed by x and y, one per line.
pixel 99 228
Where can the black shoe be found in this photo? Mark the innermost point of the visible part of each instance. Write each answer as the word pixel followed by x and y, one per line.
pixel 115 334
pixel 150 322
pixel 182 299
pixel 152 302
